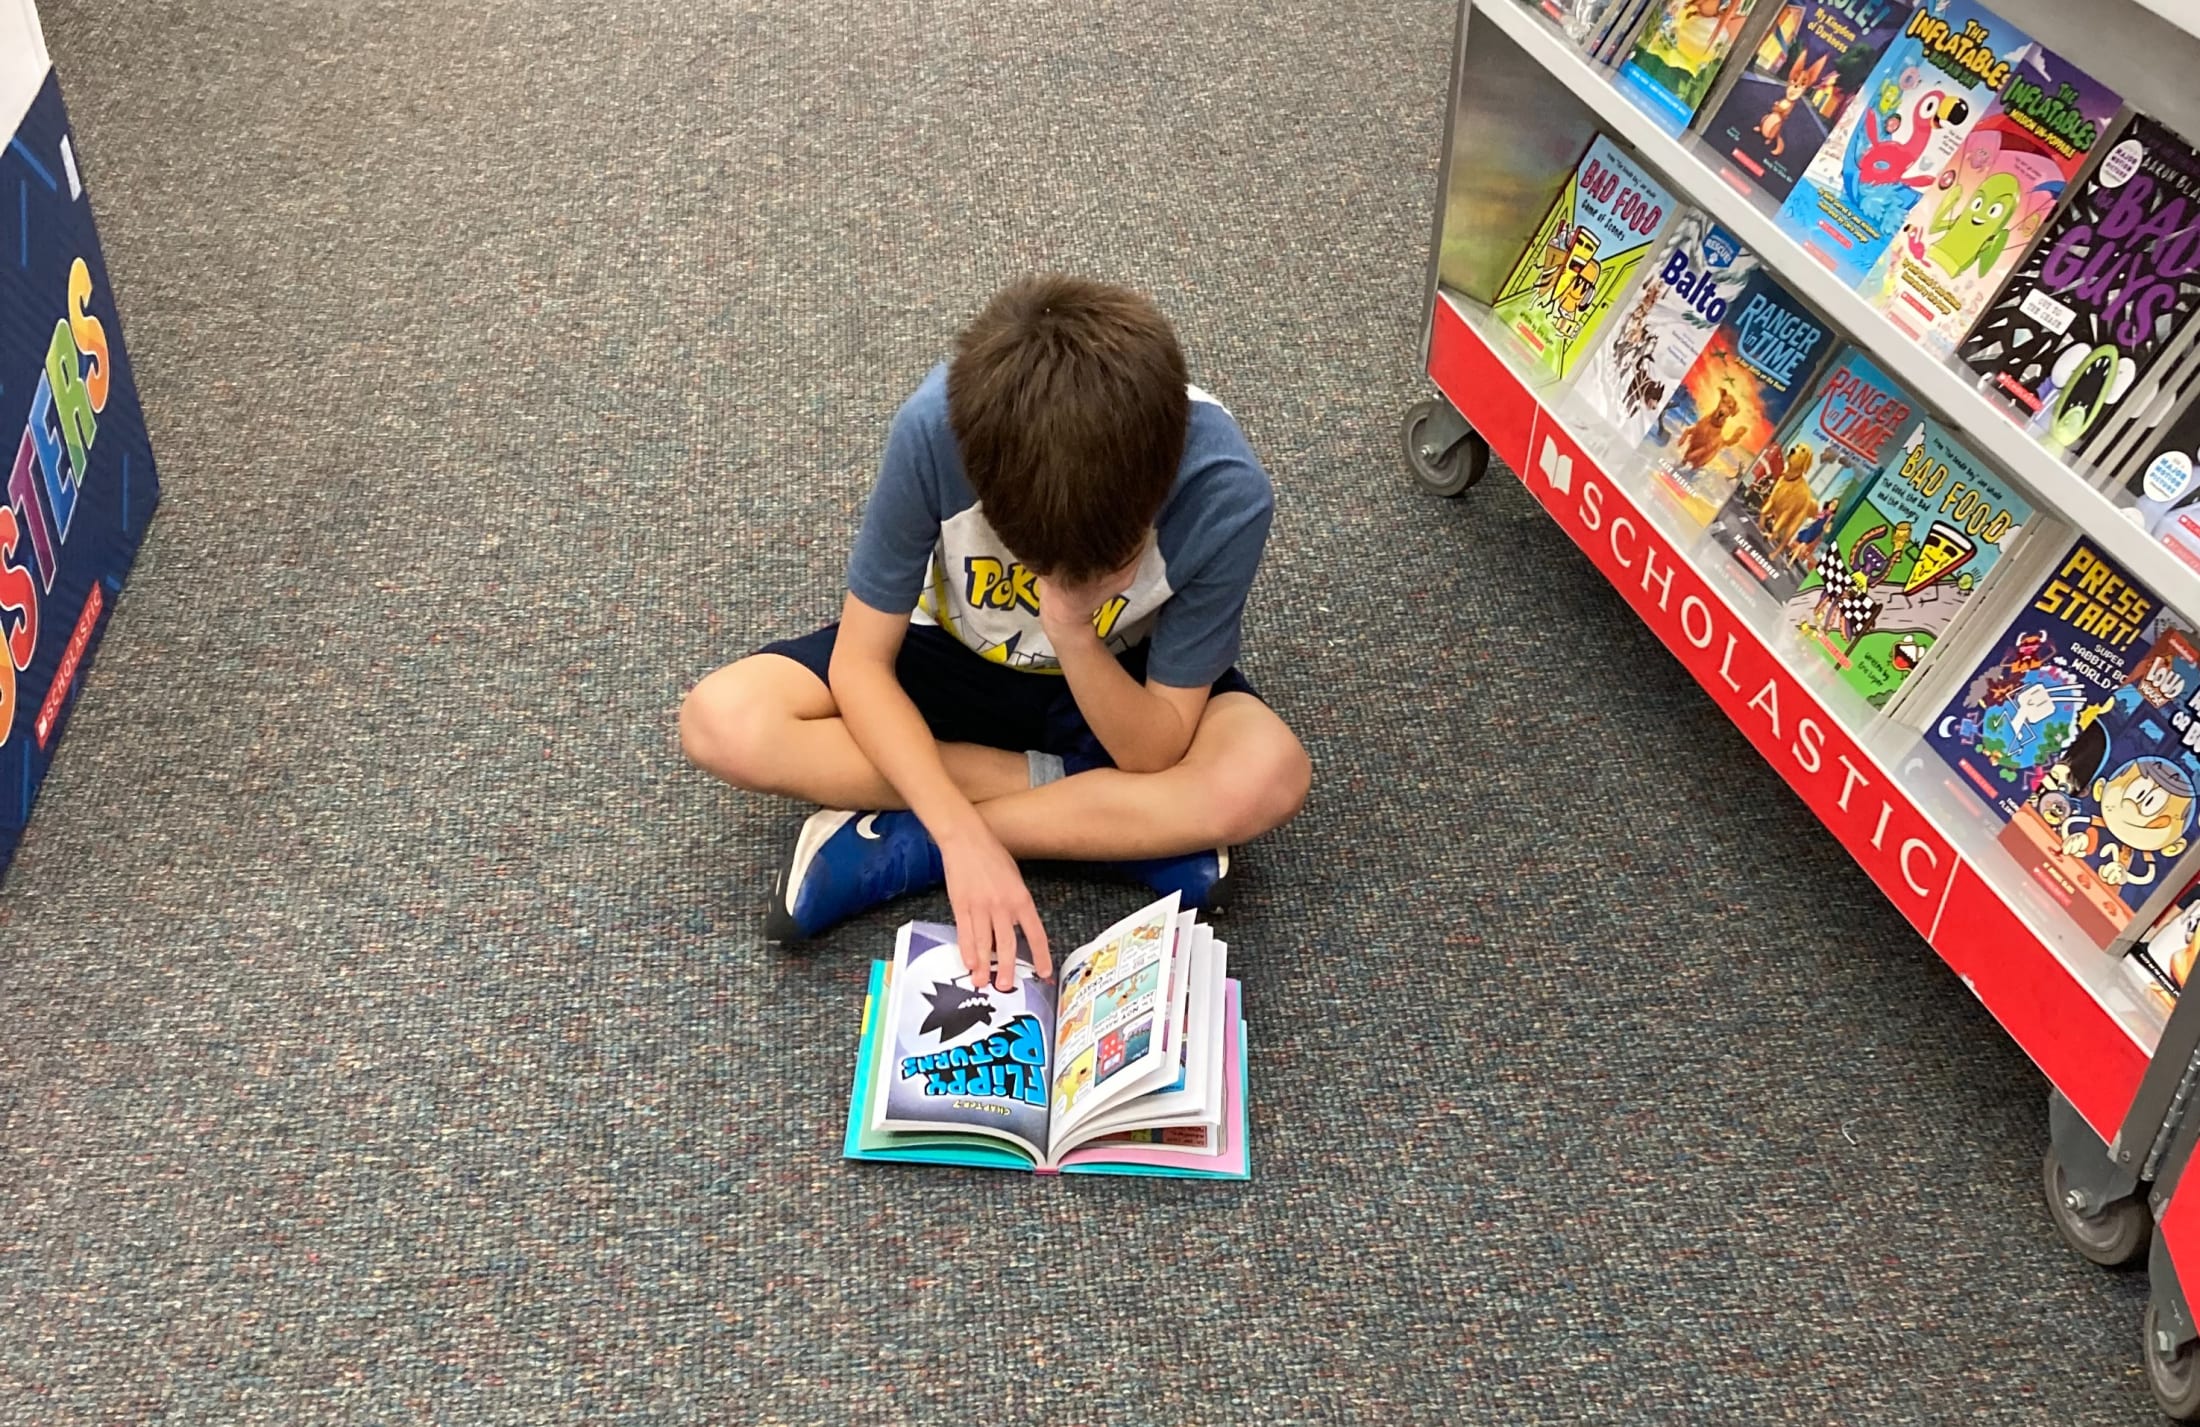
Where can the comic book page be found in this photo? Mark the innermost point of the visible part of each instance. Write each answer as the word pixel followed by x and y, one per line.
pixel 958 1057
pixel 1114 1014
pixel 1203 1151
pixel 1196 1096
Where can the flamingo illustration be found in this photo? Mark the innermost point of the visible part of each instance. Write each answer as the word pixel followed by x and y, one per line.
pixel 1886 159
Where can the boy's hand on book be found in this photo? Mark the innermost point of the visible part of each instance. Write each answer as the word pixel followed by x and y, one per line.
pixel 991 903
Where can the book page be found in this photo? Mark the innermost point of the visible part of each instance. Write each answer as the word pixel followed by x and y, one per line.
pixel 1196 1095
pixel 954 1057
pixel 1221 1151
pixel 1112 1015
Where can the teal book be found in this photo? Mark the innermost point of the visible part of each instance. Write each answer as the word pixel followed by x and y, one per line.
pixel 1677 58
pixel 1132 1062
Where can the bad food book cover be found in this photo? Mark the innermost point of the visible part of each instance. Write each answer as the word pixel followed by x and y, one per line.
pixel 1979 219
pixel 1800 484
pixel 1758 361
pixel 1700 271
pixel 1803 74
pixel 1595 235
pixel 2077 637
pixel 2114 810
pixel 1906 559
pixel 1933 84
pixel 2115 277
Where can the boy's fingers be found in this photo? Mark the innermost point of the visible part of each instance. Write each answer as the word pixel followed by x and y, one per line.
pixel 977 955
pixel 1040 956
pixel 1004 946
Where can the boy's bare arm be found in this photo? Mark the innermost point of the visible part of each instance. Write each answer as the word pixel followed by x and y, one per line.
pixel 983 884
pixel 1146 728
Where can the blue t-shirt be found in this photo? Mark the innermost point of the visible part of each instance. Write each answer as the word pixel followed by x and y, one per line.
pixel 925 548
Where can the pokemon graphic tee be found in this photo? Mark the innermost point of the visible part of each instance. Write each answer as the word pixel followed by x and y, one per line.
pixel 925 548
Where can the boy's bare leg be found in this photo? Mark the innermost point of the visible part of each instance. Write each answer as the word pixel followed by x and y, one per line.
pixel 1245 774
pixel 769 725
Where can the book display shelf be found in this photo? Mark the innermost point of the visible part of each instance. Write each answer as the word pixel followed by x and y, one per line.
pixel 1526 102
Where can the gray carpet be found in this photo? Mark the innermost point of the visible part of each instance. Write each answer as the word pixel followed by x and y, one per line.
pixel 387 1038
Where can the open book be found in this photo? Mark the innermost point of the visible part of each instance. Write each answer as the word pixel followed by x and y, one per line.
pixel 1133 1062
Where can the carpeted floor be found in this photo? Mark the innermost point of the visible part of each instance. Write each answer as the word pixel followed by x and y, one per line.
pixel 387 1038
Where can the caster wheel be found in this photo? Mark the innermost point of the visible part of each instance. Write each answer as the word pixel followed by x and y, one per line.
pixel 2175 1377
pixel 1445 468
pixel 2110 1235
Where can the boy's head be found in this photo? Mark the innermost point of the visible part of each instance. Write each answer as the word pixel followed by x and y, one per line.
pixel 1068 401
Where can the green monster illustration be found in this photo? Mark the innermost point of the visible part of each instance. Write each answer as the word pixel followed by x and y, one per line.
pixel 2085 382
pixel 1976 232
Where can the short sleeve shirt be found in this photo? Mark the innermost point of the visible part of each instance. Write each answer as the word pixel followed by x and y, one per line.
pixel 925 548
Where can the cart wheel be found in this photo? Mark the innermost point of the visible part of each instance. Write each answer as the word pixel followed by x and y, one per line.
pixel 2175 1377
pixel 1445 467
pixel 2111 1234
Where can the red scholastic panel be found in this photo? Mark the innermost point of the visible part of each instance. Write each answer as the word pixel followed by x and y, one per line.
pixel 1850 793
pixel 1477 382
pixel 2076 1044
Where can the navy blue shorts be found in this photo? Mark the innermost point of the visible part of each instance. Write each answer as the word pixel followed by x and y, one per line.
pixel 968 699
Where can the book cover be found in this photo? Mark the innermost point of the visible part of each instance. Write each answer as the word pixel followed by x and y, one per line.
pixel 2075 639
pixel 1931 86
pixel 2161 960
pixel 1906 559
pixel 1801 482
pixel 1696 276
pixel 2163 495
pixel 1992 199
pixel 1759 360
pixel 2096 304
pixel 1598 231
pixel 1678 54
pixel 1799 80
pixel 2113 811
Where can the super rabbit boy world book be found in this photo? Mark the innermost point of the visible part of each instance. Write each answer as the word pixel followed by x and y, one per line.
pixel 1132 1063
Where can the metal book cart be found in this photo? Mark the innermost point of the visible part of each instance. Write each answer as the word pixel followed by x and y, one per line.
pixel 2122 1116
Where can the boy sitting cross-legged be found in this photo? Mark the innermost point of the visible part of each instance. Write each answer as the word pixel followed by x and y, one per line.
pixel 1035 658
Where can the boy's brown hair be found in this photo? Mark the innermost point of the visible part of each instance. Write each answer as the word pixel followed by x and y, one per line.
pixel 1068 401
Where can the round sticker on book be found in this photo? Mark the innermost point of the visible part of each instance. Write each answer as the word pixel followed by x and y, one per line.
pixel 2122 162
pixel 2169 477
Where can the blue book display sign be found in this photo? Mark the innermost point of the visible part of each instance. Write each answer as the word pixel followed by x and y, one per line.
pixel 80 479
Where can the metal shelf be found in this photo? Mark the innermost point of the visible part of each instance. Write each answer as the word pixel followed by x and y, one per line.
pixel 1698 174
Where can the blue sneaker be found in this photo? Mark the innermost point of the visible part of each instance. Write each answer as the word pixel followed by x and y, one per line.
pixel 1202 877
pixel 845 863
